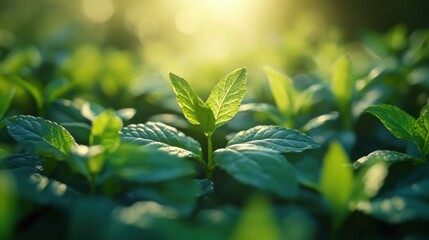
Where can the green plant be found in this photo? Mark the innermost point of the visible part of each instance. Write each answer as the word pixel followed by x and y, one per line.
pixel 252 156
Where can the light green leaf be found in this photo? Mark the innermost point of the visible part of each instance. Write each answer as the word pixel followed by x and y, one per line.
pixel 186 98
pixel 306 97
pixel 398 122
pixel 342 84
pixel 163 137
pixel 386 156
pixel 226 96
pixel 126 113
pixel 205 117
pixel 5 100
pixel 320 121
pixel 421 131
pixel 40 136
pixel 257 221
pixel 56 89
pixel 145 165
pixel 260 168
pixel 368 182
pixel 87 161
pixel 283 91
pixel 337 182
pixel 269 110
pixel 273 138
pixel 8 205
pixel 105 131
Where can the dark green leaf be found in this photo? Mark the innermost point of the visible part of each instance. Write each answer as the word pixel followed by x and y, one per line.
pixel 226 96
pixel 261 168
pixel 163 137
pixel 40 136
pixel 396 209
pixel 56 89
pixel 23 163
pixel 386 156
pixel 146 165
pixel 398 122
pixel 180 193
pixel 274 138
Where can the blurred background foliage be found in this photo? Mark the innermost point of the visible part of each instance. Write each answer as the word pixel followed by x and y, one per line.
pixel 68 61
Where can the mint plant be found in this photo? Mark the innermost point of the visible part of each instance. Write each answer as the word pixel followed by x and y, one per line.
pixel 252 156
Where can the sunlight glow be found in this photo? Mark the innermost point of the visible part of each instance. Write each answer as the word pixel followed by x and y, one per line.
pixel 187 21
pixel 98 11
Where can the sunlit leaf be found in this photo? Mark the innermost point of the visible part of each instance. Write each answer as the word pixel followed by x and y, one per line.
pixel 343 85
pixel 386 156
pixel 257 221
pixel 186 98
pixel 368 182
pixel 398 122
pixel 274 138
pixel 226 96
pixel 282 90
pixel 269 110
pixel 105 131
pixel 40 136
pixel 421 131
pixel 337 181
pixel 163 137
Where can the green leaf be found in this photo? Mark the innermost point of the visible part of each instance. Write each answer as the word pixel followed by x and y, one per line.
pixel 368 182
pixel 320 121
pixel 395 210
pixel 226 96
pixel 87 161
pixel 163 137
pixel 56 89
pixel 421 131
pixel 186 98
pixel 8 205
pixel 257 221
pixel 205 118
pixel 145 165
pixel 126 113
pixel 342 84
pixel 105 131
pixel 398 122
pixel 386 156
pixel 273 138
pixel 283 91
pixel 180 193
pixel 337 182
pixel 269 110
pixel 23 163
pixel 5 100
pixel 40 136
pixel 260 168
pixel 35 92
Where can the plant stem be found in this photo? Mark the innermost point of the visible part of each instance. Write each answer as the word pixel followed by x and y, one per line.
pixel 210 163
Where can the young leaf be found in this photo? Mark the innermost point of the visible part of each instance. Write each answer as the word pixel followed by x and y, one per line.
pixel 259 167
pixel 40 136
pixel 205 117
pixel 5 100
pixel 421 131
pixel 257 221
pixel 226 96
pixel 342 83
pixel 88 161
pixel 273 138
pixel 337 182
pixel 283 91
pixel 105 131
pixel 398 122
pixel 186 98
pixel 163 137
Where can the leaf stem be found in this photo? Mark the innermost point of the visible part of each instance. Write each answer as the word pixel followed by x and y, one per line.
pixel 210 163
